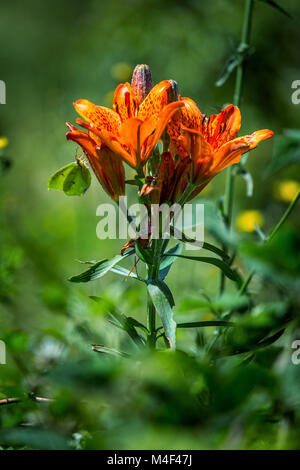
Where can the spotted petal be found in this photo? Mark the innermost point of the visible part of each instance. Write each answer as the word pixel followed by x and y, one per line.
pixel 222 127
pixel 156 100
pixel 124 103
pixel 231 152
pixel 99 116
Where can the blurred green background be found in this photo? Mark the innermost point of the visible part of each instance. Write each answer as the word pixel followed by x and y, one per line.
pixel 51 54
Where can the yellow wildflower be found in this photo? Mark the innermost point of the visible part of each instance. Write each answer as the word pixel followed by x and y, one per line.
pixel 246 220
pixel 3 142
pixel 286 190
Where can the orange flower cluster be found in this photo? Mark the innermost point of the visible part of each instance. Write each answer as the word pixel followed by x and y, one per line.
pixel 142 115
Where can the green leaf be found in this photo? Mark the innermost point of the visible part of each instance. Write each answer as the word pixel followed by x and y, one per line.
pixel 35 438
pixel 73 179
pixel 200 324
pixel 104 350
pixel 167 261
pixel 216 250
pixel 132 182
pixel 144 254
pixel 164 309
pixel 126 273
pixel 227 270
pixel 233 62
pixel 137 324
pixel 163 286
pixel 271 339
pixel 272 261
pixel 286 151
pixel 205 246
pixel 99 269
pixel 278 7
pixel 257 328
pixel 128 325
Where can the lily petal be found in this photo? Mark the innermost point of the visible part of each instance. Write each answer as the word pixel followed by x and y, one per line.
pixel 107 167
pixel 130 132
pixel 124 103
pixel 220 128
pixel 155 101
pixel 231 152
pixel 201 154
pixel 165 115
pixel 99 116
pixel 189 116
pixel 110 140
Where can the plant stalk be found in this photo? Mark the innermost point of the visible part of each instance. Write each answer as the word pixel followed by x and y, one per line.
pixel 245 39
pixel 229 184
pixel 285 216
pixel 153 273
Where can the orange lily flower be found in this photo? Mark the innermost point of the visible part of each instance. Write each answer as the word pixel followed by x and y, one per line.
pixel 170 182
pixel 133 128
pixel 210 142
pixel 108 168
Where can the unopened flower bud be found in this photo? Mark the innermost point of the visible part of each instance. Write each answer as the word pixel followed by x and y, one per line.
pixel 141 82
pixel 173 91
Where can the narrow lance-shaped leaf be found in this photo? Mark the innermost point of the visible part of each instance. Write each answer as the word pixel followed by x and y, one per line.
pixel 234 61
pixel 163 286
pixel 201 324
pixel 126 273
pixel 164 310
pixel 128 325
pixel 167 261
pixel 273 4
pixel 105 350
pixel 144 254
pixel 230 273
pixel 99 269
pixel 205 246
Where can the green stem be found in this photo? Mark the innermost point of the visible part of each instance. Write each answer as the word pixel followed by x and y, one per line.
pixel 229 185
pixel 186 194
pixel 140 172
pixel 153 273
pixel 246 282
pixel 245 38
pixel 284 217
pixel 159 246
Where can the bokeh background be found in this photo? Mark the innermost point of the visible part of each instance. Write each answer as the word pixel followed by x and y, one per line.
pixel 51 54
